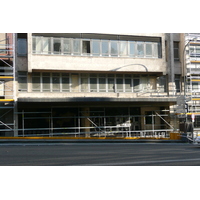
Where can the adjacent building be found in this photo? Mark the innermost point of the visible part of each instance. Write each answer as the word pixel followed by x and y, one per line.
pixel 94 84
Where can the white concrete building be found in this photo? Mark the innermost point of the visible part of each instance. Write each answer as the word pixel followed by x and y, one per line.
pixel 97 84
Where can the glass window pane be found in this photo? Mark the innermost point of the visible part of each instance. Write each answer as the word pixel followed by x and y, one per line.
pixel 36 44
pixel 148 50
pixel 140 49
pixel 56 83
pixel 84 84
pixel 105 45
pixel 119 85
pixel 22 83
pixel 35 83
pixel 123 48
pixel 86 47
pixel 65 84
pixel 102 85
pixel 128 85
pixel 22 47
pixel 176 54
pixel 136 84
pixel 131 49
pixel 46 48
pixel 76 47
pixel 111 86
pixel 93 85
pixel 114 48
pixel 56 45
pixel 96 47
pixel 155 50
pixel 162 84
pixel 46 84
pixel 177 84
pixel 67 46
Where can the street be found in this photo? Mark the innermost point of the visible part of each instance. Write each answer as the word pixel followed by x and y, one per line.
pixel 100 154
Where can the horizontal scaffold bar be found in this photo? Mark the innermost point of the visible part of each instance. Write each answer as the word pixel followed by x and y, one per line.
pixel 5 100
pixel 195 61
pixel 195 113
pixel 6 77
pixel 195 80
pixel 196 99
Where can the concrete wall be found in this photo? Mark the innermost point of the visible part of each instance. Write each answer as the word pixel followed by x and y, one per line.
pixel 76 63
pixel 88 63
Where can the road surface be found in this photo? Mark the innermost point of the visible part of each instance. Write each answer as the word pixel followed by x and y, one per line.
pixel 100 154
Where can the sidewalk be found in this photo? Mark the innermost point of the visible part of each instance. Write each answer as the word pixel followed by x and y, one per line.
pixel 83 140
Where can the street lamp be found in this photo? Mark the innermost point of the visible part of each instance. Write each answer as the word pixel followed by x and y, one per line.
pixel 131 65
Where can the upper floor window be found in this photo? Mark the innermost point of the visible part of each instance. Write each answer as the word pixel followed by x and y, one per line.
pixel 95 47
pixel 176 51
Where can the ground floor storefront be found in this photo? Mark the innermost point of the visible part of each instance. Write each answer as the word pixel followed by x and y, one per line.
pixel 95 119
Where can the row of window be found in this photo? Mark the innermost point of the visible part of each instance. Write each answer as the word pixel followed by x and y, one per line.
pixel 63 82
pixel 95 47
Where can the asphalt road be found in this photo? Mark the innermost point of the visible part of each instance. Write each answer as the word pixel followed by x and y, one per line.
pixel 100 154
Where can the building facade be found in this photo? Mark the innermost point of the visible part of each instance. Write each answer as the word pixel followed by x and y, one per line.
pixel 96 85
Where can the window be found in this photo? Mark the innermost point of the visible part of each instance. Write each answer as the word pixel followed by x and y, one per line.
pixel 65 82
pixel 37 44
pixel 36 82
pixel 149 52
pixel 132 49
pixel 56 45
pixel 105 48
pixel 46 82
pixel 111 85
pixel 128 83
pixel 149 117
pixel 67 46
pixel 140 49
pixel 76 47
pixel 95 47
pixel 84 83
pixel 156 50
pixel 152 83
pixel 162 84
pixel 86 47
pixel 21 47
pixel 56 82
pixel 177 83
pixel 22 81
pixel 114 48
pixel 46 47
pixel 119 83
pixel 136 84
pixel 123 48
pixel 93 84
pixel 102 84
pixel 176 51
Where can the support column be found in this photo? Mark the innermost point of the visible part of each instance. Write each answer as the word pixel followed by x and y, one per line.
pixel 171 79
pixel 85 122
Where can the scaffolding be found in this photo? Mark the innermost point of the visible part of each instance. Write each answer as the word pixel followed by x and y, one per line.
pixel 192 65
pixel 96 124
pixel 7 84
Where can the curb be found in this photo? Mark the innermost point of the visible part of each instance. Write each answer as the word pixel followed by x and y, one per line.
pixel 86 141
